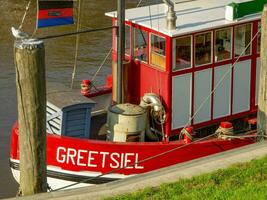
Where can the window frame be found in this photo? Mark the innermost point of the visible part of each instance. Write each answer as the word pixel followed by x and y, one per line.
pixel 133 44
pixel 174 53
pixel 211 49
pixel 232 43
pixel 162 56
pixel 130 40
pixel 251 35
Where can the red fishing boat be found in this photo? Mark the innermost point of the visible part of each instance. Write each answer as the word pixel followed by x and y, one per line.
pixel 187 88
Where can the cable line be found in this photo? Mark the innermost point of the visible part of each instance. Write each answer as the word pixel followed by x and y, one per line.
pixel 77 44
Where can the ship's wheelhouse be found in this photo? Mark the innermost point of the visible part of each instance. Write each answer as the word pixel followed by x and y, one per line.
pixel 191 68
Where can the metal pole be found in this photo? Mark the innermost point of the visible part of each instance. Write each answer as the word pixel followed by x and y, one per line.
pixel 120 48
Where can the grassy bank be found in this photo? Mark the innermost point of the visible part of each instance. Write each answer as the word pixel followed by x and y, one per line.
pixel 241 181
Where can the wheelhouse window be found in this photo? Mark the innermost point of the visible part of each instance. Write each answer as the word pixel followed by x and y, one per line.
pixel 223 46
pixel 127 40
pixel 203 49
pixel 259 37
pixel 158 51
pixel 140 44
pixel 242 40
pixel 183 53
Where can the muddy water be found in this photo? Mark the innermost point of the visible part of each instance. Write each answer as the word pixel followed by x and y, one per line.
pixel 59 63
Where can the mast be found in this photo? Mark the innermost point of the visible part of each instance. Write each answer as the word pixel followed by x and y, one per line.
pixel 120 48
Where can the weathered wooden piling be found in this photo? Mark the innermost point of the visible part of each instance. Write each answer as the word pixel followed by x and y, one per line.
pixel 262 102
pixel 31 94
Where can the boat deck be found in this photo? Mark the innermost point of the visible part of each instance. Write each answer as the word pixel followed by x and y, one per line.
pixel 64 96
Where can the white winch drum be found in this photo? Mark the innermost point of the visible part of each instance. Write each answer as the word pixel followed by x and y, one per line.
pixel 124 120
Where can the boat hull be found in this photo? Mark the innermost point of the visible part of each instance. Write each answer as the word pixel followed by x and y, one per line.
pixel 71 160
pixel 58 178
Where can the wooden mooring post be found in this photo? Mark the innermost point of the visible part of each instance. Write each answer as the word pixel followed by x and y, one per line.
pixel 262 102
pixel 31 94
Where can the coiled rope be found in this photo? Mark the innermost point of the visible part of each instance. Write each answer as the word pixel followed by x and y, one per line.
pixel 225 133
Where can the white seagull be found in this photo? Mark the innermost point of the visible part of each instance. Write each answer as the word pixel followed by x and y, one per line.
pixel 18 34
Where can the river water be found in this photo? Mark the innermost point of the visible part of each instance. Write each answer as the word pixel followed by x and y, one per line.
pixel 59 62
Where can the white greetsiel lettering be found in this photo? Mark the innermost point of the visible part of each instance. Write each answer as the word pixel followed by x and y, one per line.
pixel 128 163
pixel 91 158
pixel 80 157
pixel 97 159
pixel 71 154
pixel 104 158
pixel 61 154
pixel 136 163
pixel 113 158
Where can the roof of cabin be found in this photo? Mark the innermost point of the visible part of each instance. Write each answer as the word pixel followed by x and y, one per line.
pixel 192 16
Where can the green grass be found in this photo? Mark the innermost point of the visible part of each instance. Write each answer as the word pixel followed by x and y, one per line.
pixel 247 181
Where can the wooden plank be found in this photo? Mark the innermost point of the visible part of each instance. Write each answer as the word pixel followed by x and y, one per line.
pixel 54 124
pixel 75 128
pixel 76 117
pixel 78 122
pixel 77 112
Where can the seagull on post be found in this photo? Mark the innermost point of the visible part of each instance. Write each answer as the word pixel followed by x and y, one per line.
pixel 18 34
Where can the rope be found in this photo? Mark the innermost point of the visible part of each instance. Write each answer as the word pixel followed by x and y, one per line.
pixel 262 135
pixel 34 32
pixel 102 64
pixel 25 14
pixel 224 133
pixel 139 3
pixel 77 44
pixel 185 132
pixel 238 137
